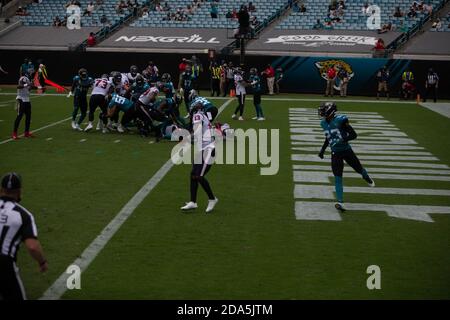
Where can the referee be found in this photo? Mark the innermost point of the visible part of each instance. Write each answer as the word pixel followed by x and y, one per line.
pixel 16 225
pixel 216 70
pixel 431 85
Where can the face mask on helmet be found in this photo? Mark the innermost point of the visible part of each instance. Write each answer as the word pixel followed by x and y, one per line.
pixel 117 78
pixel 82 73
pixel 327 110
pixel 140 81
pixel 165 77
pixel 133 71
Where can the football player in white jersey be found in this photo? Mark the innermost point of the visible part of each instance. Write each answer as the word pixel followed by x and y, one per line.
pixel 240 84
pixel 204 154
pixel 23 106
pixel 131 76
pixel 103 87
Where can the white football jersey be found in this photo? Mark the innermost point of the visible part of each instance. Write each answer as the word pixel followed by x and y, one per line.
pixel 123 86
pixel 240 89
pixel 147 97
pixel 130 77
pixel 24 93
pixel 102 86
pixel 201 122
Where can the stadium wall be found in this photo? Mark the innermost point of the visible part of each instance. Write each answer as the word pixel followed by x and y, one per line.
pixel 302 74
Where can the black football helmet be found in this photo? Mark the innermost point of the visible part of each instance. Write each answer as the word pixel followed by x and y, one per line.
pixel 116 77
pixel 83 73
pixel 165 77
pixel 327 110
pixel 140 81
pixel 134 70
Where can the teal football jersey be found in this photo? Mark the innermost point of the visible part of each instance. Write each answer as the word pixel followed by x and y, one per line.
pixel 333 132
pixel 121 102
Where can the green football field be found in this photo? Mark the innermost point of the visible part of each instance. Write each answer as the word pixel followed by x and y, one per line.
pixel 270 237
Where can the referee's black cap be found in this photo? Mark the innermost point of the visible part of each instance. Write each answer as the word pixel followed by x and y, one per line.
pixel 11 181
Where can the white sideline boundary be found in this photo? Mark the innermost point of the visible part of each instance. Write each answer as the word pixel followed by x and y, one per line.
pixel 59 287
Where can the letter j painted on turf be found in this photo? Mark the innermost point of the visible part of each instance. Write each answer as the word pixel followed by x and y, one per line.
pixel 74 279
pixel 374 280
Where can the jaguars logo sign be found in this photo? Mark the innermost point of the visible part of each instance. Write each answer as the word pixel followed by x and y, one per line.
pixel 323 66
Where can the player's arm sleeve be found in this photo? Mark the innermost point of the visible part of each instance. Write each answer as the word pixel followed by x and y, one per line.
pixel 351 133
pixel 324 147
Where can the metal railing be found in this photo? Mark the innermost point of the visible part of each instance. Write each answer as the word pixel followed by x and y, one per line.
pixel 254 33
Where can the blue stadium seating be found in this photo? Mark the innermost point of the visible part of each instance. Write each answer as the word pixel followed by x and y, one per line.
pixel 202 18
pixel 43 14
pixel 353 18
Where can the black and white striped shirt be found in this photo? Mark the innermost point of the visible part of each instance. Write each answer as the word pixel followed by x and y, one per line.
pixel 432 78
pixel 16 225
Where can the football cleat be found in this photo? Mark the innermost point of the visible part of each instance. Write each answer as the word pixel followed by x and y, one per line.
pixel 77 127
pixel 99 126
pixel 211 205
pixel 261 119
pixel 189 206
pixel 120 129
pixel 255 118
pixel 28 134
pixel 15 136
pixel 89 127
pixel 240 118
pixel 74 125
pixel 370 181
pixel 233 116
pixel 340 206
pixel 105 130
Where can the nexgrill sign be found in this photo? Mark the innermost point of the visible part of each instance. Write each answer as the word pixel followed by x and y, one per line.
pixel 195 38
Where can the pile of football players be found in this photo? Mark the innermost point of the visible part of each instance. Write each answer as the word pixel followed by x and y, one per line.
pixel 130 100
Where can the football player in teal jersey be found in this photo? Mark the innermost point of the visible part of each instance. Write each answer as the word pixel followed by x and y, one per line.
pixel 139 86
pixel 338 133
pixel 201 103
pixel 119 103
pixel 167 86
pixel 80 86
pixel 255 82
pixel 186 86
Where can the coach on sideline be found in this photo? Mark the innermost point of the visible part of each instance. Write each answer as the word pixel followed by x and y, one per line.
pixel 16 225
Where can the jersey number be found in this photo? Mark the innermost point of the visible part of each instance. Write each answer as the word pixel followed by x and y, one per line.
pixel 119 99
pixel 334 136
pixel 101 83
pixel 3 218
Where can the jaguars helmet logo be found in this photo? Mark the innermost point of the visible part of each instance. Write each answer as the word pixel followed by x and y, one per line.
pixel 323 66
